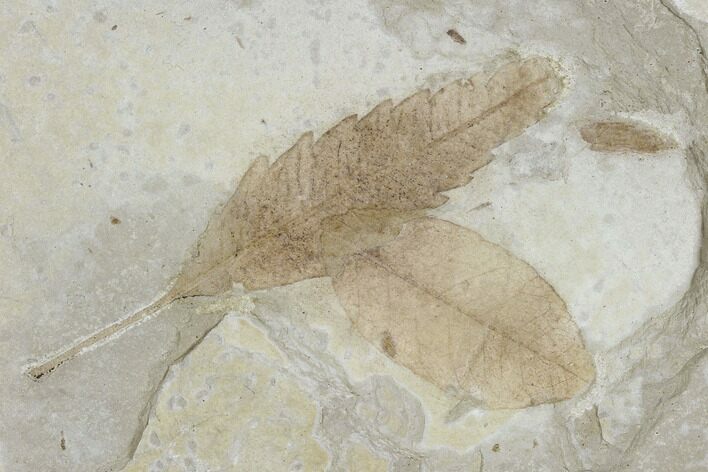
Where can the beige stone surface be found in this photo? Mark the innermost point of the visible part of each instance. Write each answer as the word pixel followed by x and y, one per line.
pixel 125 125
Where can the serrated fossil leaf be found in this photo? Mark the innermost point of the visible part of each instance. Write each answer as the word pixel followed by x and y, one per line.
pixel 395 160
pixel 466 315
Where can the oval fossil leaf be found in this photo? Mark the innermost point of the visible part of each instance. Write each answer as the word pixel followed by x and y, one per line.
pixel 466 315
pixel 396 158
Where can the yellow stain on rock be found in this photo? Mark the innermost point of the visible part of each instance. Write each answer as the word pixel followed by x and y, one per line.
pixel 228 406
pixel 360 459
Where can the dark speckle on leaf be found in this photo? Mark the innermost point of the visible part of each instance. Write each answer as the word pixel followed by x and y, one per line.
pixel 388 345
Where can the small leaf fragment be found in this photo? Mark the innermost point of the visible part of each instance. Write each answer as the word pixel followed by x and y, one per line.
pixel 625 136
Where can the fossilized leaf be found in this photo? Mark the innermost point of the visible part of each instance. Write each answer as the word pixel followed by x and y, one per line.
pixel 359 230
pixel 619 136
pixel 466 315
pixel 395 159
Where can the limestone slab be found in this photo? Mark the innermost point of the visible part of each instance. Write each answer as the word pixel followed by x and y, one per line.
pixel 125 125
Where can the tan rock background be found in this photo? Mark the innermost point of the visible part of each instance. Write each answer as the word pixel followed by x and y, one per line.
pixel 123 125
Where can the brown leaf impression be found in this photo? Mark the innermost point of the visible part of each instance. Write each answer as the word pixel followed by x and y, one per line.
pixel 450 306
pixel 625 136
pixel 466 315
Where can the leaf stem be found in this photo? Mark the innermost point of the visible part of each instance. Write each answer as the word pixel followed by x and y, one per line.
pixel 100 337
